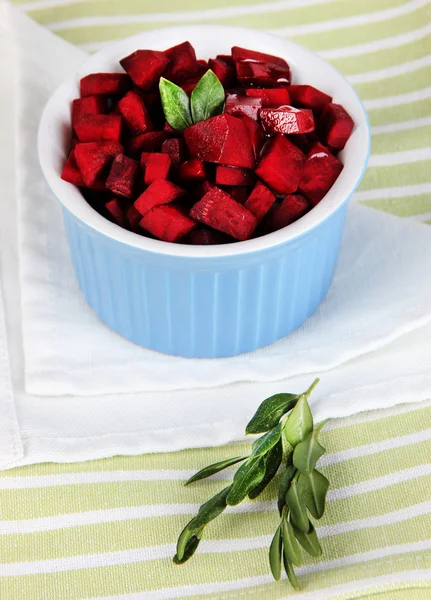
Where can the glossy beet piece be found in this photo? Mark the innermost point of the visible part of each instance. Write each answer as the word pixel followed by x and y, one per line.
pixel 94 128
pixel 157 166
pixel 321 170
pixel 145 67
pixel 336 126
pixel 201 189
pixel 116 210
pixel 262 74
pixel 133 218
pixel 287 120
pixel 223 139
pixel 146 142
pixel 239 193
pixel 270 98
pixel 135 114
pixel 122 176
pixel 168 223
pixel 239 54
pixel 308 96
pixel 91 105
pixel 219 211
pixel 208 237
pixel 169 129
pixel 260 201
pixel 224 70
pixel 255 134
pixel 193 170
pixel 183 63
pixel 290 210
pixel 94 158
pixel 158 193
pixel 104 84
pixel 281 165
pixel 241 106
pixel 176 149
pixel 234 176
pixel 71 172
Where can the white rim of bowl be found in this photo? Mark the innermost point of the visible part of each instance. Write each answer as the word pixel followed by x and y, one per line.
pixel 85 213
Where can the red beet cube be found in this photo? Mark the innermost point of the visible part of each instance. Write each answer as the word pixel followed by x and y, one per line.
pixel 144 158
pixel 169 129
pixel 208 237
pixel 158 193
pixel 176 149
pixel 287 119
pixel 264 74
pixel 116 210
pixel 91 105
pixel 238 192
pixel 145 67
pixel 290 210
pixel 183 63
pixel 234 176
pixel 189 86
pixel 321 169
pixel 202 189
pixel 193 170
pixel 308 96
pixel 157 166
pixel 135 114
pixel 93 158
pixel 122 176
pixel 104 84
pixel 224 70
pixel 271 98
pixel 260 201
pixel 133 218
pixel 218 210
pixel 168 223
pixel 146 142
pixel 251 55
pixel 71 172
pixel 336 126
pixel 240 106
pixel 281 165
pixel 93 128
pixel 255 134
pixel 223 139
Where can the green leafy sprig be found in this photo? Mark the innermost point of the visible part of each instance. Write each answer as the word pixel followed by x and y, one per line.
pixel 207 100
pixel 289 445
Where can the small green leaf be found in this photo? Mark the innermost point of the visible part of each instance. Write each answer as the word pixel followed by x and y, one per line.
pixel 313 491
pixel 176 105
pixel 288 567
pixel 275 554
pixel 286 478
pixel 263 444
pixel 270 411
pixel 272 463
pixel 185 539
pixel 300 422
pixel 290 545
pixel 215 468
pixel 309 541
pixel 207 99
pixel 212 508
pixel 248 476
pixel 307 453
pixel 189 550
pixel 297 507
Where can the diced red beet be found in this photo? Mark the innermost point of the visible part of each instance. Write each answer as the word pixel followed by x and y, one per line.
pixel 183 63
pixel 71 172
pixel 227 58
pixel 151 99
pixel 145 67
pixel 255 134
pixel 219 211
pixel 90 105
pixel 208 237
pixel 308 96
pixel 234 176
pixel 157 166
pixel 188 86
pixel 223 140
pixel 271 98
pixel 240 106
pixel 287 120
pixel 135 114
pixel 252 55
pixel 193 170
pixel 202 189
pixel 281 165
pixel 321 170
pixel 290 210
pixel 73 141
pixel 146 142
pixel 93 158
pixel 261 73
pixel 176 149
pixel 122 176
pixel 336 126
pixel 203 63
pixel 94 128
pixel 301 140
pixel 144 158
pixel 169 129
pixel 168 223
pixel 238 192
pixel 133 218
pixel 260 201
pixel 104 84
pixel 116 210
pixel 159 192
pixel 224 70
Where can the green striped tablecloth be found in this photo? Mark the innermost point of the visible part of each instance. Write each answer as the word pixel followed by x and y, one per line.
pixel 106 529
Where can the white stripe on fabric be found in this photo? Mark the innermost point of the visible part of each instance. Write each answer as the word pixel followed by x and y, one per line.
pixel 401 69
pixel 399 158
pixel 375 415
pixel 393 192
pixel 388 101
pixel 403 126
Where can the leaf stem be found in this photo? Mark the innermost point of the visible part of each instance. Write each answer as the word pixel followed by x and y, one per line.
pixel 311 388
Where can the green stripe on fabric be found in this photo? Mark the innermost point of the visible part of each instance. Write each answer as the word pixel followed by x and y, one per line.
pixel 401 84
pixel 397 175
pixel 403 207
pixel 397 141
pixel 400 112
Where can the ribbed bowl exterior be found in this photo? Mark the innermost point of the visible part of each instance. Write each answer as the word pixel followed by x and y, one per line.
pixel 205 307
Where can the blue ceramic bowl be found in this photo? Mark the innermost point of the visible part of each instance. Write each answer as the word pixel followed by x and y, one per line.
pixel 212 301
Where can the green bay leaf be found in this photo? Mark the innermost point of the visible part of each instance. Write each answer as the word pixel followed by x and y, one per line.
pixel 290 545
pixel 248 476
pixel 300 422
pixel 272 463
pixel 286 478
pixel 297 506
pixel 288 567
pixel 307 453
pixel 263 444
pixel 309 541
pixel 176 105
pixel 275 551
pixel 215 468
pixel 207 99
pixel 313 489
pixel 270 412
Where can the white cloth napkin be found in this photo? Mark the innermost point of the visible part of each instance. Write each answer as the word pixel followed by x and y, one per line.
pixel 71 428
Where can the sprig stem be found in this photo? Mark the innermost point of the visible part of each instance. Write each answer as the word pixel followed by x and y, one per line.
pixel 307 394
